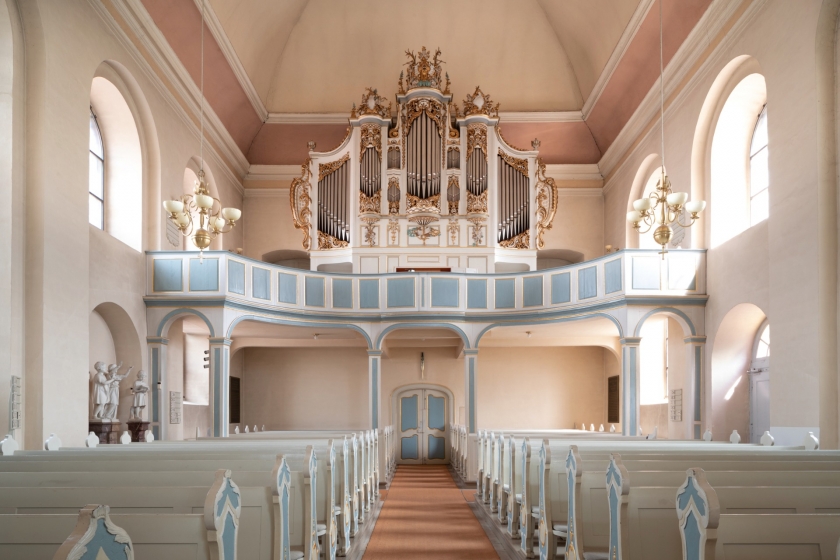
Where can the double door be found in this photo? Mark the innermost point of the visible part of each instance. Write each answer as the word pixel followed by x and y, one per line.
pixel 424 427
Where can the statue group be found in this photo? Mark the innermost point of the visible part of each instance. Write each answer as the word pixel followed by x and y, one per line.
pixel 106 392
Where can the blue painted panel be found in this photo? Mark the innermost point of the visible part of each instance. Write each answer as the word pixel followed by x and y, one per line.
pixel 444 292
pixel 532 291
pixel 697 377
pixel 646 273
pixel 408 413
pixel 561 288
pixel 472 395
pixel 236 277
pixel 261 283
pixel 587 282
pixel 400 292
pixel 612 276
pixel 692 537
pixel 634 429
pixel 286 288
pixel 476 294
pixel 155 380
pixel 204 276
pixel 369 294
pixel 103 542
pixel 374 401
pixel 168 275
pixel 342 293
pixel 681 272
pixel 437 413
pixel 505 294
pixel 437 447
pixel 314 291
pixel 229 537
pixel 408 447
pixel 217 392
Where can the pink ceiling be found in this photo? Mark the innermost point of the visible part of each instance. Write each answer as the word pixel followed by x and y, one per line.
pixel 576 142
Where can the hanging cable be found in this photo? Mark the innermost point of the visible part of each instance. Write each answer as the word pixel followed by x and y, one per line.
pixel 661 90
pixel 201 101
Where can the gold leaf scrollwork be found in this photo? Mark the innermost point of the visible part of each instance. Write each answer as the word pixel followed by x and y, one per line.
pixel 520 165
pixel 416 204
pixel 479 103
pixel 370 231
pixel 393 229
pixel 300 202
pixel 371 138
pixel 373 104
pixel 546 202
pixel 325 169
pixel 521 241
pixel 327 241
pixel 476 138
pixel 416 107
pixel 370 204
pixel 477 203
pixel 423 72
pixel 454 230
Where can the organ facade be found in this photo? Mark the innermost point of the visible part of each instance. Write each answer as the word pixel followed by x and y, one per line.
pixel 424 185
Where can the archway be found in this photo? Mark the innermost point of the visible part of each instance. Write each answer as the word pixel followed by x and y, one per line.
pixel 731 357
pixel 422 415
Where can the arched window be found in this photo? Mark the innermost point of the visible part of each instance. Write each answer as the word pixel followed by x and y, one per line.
pixel 762 347
pixel 759 171
pixel 96 175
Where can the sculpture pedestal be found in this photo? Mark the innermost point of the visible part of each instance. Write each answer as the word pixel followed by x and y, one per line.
pixel 137 428
pixel 106 430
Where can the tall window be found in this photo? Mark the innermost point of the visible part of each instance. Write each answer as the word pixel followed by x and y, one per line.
pixel 759 171
pixel 96 176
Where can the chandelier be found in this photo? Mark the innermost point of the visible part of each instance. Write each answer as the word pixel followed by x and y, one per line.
pixel 663 208
pixel 200 216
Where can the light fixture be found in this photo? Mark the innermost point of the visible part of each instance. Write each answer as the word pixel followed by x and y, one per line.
pixel 210 218
pixel 528 333
pixel 663 207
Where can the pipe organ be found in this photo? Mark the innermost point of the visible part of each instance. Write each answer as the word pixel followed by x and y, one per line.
pixel 424 152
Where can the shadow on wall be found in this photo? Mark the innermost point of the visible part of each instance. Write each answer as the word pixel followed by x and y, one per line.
pixel 554 258
pixel 731 356
pixel 288 258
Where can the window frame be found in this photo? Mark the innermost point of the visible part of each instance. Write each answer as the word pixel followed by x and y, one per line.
pixel 762 116
pixel 95 120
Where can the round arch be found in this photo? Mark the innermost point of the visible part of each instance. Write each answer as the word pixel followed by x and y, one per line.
pixel 701 150
pixel 492 326
pixel 172 316
pixel 643 174
pixel 325 325
pixel 680 316
pixel 399 326
pixel 122 79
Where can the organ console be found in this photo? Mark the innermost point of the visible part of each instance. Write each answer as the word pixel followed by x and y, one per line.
pixel 421 153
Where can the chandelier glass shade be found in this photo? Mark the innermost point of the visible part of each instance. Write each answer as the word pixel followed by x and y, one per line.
pixel 201 216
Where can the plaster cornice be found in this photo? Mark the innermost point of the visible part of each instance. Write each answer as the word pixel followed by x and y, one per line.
pixel 504 117
pixel 218 32
pixel 683 71
pixel 273 172
pixel 618 53
pixel 267 193
pixel 149 48
pixel 574 171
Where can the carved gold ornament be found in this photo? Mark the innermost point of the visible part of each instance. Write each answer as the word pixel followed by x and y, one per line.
pixel 416 107
pixel 370 204
pixel 476 138
pixel 325 169
pixel 393 229
pixel 327 241
pixel 371 138
pixel 454 230
pixel 423 231
pixel 520 165
pixel 477 233
pixel 479 103
pixel 300 202
pixel 370 231
pixel 546 202
pixel 373 104
pixel 521 241
pixel 477 203
pixel 416 204
pixel 423 72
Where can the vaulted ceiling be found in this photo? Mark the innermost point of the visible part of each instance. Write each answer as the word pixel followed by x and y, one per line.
pixel 595 58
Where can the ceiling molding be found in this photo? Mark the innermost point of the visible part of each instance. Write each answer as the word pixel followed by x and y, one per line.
pixel 574 171
pixel 618 53
pixel 267 193
pixel 173 82
pixel 505 117
pixel 273 173
pixel 588 191
pixel 218 32
pixel 682 66
pixel 308 118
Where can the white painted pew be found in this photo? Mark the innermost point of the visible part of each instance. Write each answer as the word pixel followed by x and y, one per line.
pixel 211 534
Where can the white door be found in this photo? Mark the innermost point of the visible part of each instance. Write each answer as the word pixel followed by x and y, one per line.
pixel 760 386
pixel 424 422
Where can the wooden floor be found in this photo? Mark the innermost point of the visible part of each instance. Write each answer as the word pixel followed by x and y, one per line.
pixel 426 515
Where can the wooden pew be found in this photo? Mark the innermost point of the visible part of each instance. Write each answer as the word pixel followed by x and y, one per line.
pixel 161 536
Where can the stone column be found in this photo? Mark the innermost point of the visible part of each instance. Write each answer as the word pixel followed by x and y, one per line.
pixel 695 354
pixel 630 367
pixel 157 385
pixel 374 386
pixel 220 386
pixel 471 410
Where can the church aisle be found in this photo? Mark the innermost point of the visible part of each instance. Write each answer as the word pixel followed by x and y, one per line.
pixel 426 516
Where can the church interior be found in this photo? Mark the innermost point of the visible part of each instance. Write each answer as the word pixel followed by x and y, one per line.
pixel 444 279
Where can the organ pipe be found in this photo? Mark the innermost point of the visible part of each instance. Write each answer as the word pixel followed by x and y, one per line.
pixel 514 201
